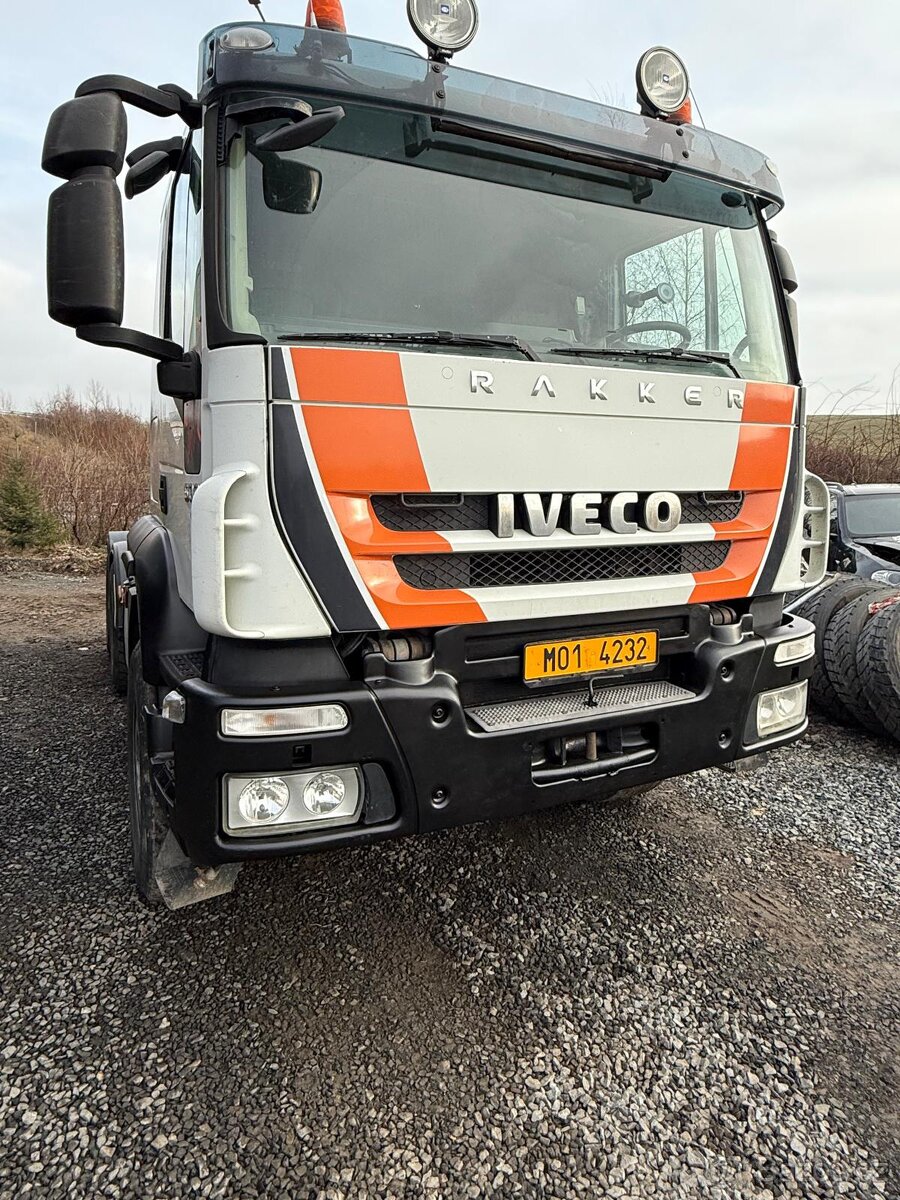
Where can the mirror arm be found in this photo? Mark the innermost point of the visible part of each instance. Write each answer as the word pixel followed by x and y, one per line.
pixel 168 100
pixel 130 339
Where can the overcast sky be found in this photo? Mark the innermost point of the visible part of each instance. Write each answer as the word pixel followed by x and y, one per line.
pixel 810 82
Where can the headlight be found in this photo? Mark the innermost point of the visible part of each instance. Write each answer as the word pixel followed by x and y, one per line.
pixel 662 82
pixel 247 37
pixel 262 801
pixel 889 577
pixel 783 708
pixel 324 794
pixel 796 650
pixel 296 801
pixel 444 25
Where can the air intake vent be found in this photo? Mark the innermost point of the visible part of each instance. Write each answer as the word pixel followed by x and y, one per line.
pixel 524 568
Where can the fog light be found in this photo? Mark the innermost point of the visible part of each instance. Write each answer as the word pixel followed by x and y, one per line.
pixel 783 708
pixel 796 650
pixel 444 25
pixel 662 80
pixel 247 37
pixel 264 800
pixel 324 793
pixel 283 722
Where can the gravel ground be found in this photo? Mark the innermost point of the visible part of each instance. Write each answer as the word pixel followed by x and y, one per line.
pixel 692 997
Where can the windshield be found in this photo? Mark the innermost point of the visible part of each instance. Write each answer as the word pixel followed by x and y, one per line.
pixel 873 516
pixel 390 226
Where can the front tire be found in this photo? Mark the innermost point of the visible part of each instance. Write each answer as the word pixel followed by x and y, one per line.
pixel 146 810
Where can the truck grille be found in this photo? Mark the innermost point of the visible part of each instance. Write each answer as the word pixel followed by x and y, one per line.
pixel 451 513
pixel 523 568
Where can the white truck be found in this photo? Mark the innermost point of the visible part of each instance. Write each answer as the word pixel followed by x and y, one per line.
pixel 478 436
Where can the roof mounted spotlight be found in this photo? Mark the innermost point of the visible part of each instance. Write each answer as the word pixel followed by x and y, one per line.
pixel 445 26
pixel 663 85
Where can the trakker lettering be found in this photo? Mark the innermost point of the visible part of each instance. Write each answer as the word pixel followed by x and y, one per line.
pixel 643 391
pixel 476 440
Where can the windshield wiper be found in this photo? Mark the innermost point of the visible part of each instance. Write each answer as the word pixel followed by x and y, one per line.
pixel 438 338
pixel 647 352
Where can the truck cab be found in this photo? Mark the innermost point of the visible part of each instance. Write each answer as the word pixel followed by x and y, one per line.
pixel 478 473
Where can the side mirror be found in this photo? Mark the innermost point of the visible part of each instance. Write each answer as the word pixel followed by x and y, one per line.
pixel 289 186
pixel 786 268
pixel 85 145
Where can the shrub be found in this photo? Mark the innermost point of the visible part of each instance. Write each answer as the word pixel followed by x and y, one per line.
pixel 88 459
pixel 23 518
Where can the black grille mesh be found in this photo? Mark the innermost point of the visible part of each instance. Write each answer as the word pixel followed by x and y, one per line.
pixel 427 514
pixel 521 568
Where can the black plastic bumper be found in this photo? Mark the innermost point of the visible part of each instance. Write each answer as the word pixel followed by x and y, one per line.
pixel 426 765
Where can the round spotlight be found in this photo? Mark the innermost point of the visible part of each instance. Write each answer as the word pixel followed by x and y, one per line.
pixel 445 26
pixel 247 37
pixel 324 793
pixel 264 800
pixel 662 82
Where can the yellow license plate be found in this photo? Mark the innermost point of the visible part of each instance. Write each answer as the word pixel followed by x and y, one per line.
pixel 590 656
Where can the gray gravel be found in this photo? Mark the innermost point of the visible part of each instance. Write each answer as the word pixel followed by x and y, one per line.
pixel 691 997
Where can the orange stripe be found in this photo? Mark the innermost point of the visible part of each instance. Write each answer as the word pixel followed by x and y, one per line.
pixel 760 467
pixel 769 404
pixel 404 607
pixel 365 450
pixel 327 376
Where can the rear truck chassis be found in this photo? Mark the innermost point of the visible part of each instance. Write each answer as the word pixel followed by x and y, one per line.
pixel 444 739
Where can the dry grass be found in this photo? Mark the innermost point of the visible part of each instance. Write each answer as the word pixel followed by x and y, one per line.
pixel 88 458
pixel 852 447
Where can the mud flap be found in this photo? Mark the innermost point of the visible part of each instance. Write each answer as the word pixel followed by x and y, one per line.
pixel 181 883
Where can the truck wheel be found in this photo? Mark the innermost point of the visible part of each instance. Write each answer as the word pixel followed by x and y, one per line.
pixel 146 811
pixel 829 603
pixel 115 638
pixel 839 654
pixel 878 663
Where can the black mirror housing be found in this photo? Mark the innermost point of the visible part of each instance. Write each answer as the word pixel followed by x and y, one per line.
pixel 786 268
pixel 86 252
pixel 290 186
pixel 90 131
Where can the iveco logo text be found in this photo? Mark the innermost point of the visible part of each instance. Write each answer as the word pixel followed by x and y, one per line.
pixel 586 513
pixel 693 395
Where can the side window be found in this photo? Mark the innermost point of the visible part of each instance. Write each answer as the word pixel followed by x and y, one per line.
pixel 183 287
pixel 667 283
pixel 732 317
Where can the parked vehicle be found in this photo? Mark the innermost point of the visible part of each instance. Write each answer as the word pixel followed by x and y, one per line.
pixel 865 530
pixel 478 443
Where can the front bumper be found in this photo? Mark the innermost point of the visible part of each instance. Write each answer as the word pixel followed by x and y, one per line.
pixel 428 766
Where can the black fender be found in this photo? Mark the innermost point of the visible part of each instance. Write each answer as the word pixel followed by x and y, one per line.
pixel 158 617
pixel 117 564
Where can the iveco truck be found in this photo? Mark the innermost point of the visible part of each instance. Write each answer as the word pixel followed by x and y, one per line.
pixel 478 435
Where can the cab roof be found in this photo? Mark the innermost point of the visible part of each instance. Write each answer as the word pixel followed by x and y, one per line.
pixel 319 62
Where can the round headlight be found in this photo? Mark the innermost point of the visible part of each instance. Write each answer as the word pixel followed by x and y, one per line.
pixel 264 800
pixel 444 25
pixel 662 81
pixel 247 37
pixel 324 793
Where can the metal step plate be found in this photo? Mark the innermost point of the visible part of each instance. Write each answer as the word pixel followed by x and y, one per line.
pixel 572 706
